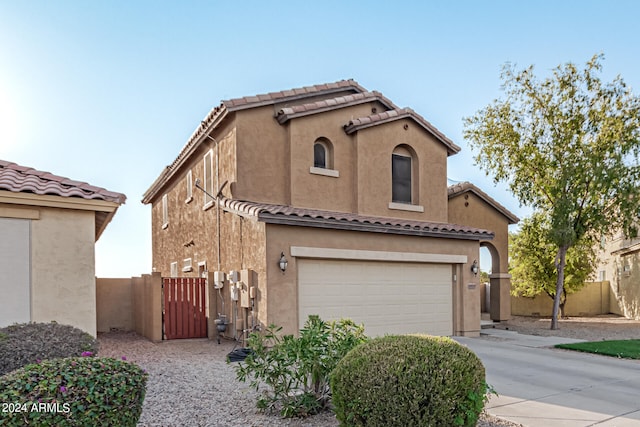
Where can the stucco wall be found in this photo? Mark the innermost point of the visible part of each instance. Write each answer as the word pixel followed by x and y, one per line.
pixel 63 268
pixel 281 293
pixel 471 210
pixel 130 304
pixel 114 305
pixel 594 299
pixel 374 148
pixel 619 263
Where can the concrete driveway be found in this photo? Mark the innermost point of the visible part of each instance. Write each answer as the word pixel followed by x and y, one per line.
pixel 539 386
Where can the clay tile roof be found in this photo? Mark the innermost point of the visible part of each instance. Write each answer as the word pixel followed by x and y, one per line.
pixel 463 187
pixel 287 95
pixel 287 113
pixel 287 215
pixel 218 113
pixel 22 179
pixel 397 114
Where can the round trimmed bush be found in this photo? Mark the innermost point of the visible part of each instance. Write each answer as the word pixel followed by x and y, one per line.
pixel 409 380
pixel 75 391
pixel 24 343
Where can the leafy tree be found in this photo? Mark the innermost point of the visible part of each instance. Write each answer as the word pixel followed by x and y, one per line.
pixel 532 256
pixel 567 146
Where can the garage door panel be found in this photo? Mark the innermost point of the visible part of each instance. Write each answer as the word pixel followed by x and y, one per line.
pixel 388 297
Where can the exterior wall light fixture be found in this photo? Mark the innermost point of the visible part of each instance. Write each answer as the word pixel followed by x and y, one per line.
pixel 283 262
pixel 474 267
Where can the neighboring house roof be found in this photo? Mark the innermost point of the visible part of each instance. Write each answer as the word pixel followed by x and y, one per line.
pixel 334 97
pixel 464 187
pixel 286 215
pixel 22 179
pixel 398 114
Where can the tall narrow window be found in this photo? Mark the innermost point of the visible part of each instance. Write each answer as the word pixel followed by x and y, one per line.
pixel 189 187
pixel 319 155
pixel 208 177
pixel 165 211
pixel 401 178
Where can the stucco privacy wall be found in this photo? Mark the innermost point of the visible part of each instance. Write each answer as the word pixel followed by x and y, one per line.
pixel 594 299
pixel 130 304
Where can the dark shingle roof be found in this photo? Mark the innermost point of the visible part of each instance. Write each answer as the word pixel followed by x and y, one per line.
pixel 22 179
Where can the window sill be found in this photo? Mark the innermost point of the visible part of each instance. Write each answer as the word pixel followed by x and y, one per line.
pixel 189 199
pixel 165 225
pixel 406 207
pixel 325 172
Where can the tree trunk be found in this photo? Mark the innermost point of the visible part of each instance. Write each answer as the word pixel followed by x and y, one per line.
pixel 561 262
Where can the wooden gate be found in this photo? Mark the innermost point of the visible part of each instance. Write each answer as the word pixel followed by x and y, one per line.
pixel 184 307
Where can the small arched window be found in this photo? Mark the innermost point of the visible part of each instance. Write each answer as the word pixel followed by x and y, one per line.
pixel 319 155
pixel 322 154
pixel 402 175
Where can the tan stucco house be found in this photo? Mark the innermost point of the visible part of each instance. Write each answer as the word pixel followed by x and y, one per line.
pixel 328 200
pixel 48 229
pixel 619 266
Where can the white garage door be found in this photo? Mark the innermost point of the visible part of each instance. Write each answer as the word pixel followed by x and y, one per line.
pixel 14 271
pixel 388 297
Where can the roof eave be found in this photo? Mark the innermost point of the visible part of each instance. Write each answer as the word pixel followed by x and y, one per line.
pixel 278 219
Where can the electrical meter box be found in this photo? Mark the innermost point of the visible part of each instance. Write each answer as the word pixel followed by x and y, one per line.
pixel 246 278
pixel 234 276
pixel 219 277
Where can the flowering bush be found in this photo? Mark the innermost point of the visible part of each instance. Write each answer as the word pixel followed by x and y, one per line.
pixel 76 391
pixel 25 343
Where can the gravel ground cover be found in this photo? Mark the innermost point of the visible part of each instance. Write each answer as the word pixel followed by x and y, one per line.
pixel 598 328
pixel 190 384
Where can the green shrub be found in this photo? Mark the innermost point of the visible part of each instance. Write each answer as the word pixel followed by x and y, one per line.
pixel 25 343
pixel 409 380
pixel 294 372
pixel 76 391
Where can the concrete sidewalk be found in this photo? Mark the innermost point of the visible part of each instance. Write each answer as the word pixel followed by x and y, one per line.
pixel 540 386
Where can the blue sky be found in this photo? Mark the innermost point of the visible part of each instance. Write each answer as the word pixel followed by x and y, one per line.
pixel 108 92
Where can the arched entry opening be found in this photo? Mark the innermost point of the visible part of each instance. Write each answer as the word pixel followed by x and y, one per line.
pixel 489 262
pixel 498 303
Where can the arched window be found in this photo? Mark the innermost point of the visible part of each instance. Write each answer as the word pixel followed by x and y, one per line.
pixel 402 175
pixel 322 154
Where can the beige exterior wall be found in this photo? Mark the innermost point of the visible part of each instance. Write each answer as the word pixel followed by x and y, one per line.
pixel 281 298
pixel 594 299
pixel 63 268
pixel 469 209
pixel 374 147
pixel 131 304
pixel 264 161
pixel 114 305
pixel 619 264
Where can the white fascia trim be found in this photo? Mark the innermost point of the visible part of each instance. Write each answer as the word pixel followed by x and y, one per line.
pixel 354 254
pixel 406 207
pixel 326 172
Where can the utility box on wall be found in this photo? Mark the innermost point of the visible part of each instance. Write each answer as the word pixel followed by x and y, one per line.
pixel 246 281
